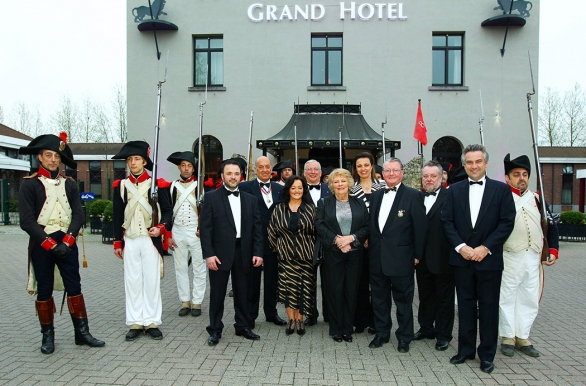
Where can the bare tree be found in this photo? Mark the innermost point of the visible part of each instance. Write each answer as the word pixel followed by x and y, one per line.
pixel 1 115
pixel 21 118
pixel 550 119
pixel 86 121
pixel 119 107
pixel 66 118
pixel 575 115
pixel 102 124
pixel 37 126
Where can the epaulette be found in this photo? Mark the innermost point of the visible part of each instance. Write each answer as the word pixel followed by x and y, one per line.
pixel 161 183
pixel 115 184
pixel 69 178
pixel 32 175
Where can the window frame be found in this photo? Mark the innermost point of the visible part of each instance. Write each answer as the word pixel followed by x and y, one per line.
pixel 209 52
pixel 567 184
pixel 446 48
pixel 327 50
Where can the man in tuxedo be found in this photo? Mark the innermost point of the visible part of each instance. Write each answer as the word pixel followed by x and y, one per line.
pixel 231 242
pixel 397 238
pixel 477 217
pixel 317 189
pixel 435 278
pixel 267 194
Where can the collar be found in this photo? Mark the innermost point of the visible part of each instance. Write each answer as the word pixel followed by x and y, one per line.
pixel 260 182
pixel 186 180
pixel 142 178
pixel 47 173
pixel 396 186
pixel 516 191
pixel 483 179
pixel 235 190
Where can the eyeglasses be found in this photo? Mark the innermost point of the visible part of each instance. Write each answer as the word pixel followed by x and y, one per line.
pixel 312 170
pixel 392 171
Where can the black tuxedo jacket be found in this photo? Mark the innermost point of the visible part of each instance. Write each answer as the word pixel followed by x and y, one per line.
pixel 402 240
pixel 253 188
pixel 218 230
pixel 495 222
pixel 437 248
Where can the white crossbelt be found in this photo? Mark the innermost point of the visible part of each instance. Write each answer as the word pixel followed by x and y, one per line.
pixel 138 197
pixel 54 192
pixel 184 194
pixel 524 199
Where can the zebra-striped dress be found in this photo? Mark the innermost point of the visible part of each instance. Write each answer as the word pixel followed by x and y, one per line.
pixel 292 237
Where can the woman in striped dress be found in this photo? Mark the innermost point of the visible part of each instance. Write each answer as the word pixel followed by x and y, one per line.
pixel 363 172
pixel 292 237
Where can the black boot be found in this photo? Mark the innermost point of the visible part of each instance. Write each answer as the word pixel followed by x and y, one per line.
pixel 46 310
pixel 80 323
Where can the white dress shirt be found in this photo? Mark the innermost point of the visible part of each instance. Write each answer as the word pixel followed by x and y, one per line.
pixel 430 200
pixel 315 193
pixel 236 212
pixel 475 196
pixel 267 197
pixel 385 207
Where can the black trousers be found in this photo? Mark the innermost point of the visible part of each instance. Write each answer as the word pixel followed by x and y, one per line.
pixel 436 302
pixel 364 316
pixel 478 289
pixel 44 265
pixel 324 307
pixel 401 289
pixel 218 287
pixel 270 272
pixel 342 273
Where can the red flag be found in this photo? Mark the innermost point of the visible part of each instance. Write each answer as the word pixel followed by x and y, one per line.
pixel 420 132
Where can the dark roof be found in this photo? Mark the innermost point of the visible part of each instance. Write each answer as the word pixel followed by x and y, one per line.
pixel 95 148
pixel 562 152
pixel 7 131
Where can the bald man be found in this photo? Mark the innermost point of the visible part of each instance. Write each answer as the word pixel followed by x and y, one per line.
pixel 268 195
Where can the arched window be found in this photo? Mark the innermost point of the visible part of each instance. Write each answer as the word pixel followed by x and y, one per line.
pixel 448 149
pixel 213 154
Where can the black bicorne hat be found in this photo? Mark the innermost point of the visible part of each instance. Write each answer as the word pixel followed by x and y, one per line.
pixel 53 143
pixel 179 156
pixel 445 166
pixel 284 165
pixel 458 175
pixel 378 169
pixel 520 162
pixel 140 148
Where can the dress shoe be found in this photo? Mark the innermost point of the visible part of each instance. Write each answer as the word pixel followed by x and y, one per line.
pixel 248 334
pixel 371 331
pixel 290 329
pixel 154 333
pixel 486 366
pixel 214 339
pixel 133 334
pixel 508 349
pixel 459 359
pixel 347 338
pixel 310 322
pixel 403 346
pixel 442 345
pixel 377 342
pixel 337 338
pixel 421 335
pixel 184 312
pixel 300 328
pixel 529 350
pixel 276 320
pixel 196 312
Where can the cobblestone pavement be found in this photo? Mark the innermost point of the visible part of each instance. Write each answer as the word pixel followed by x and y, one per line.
pixel 183 357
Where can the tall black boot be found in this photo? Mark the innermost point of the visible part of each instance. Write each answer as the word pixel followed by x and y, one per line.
pixel 80 324
pixel 46 311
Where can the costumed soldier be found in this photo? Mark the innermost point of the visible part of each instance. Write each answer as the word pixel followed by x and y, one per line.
pixel 183 234
pixel 521 285
pixel 137 243
pixel 286 168
pixel 50 212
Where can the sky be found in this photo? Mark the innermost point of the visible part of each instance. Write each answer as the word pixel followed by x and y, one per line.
pixel 50 49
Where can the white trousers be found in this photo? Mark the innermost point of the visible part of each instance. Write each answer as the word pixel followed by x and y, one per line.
pixel 142 282
pixel 519 300
pixel 188 244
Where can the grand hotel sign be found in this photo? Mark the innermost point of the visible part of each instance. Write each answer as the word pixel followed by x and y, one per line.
pixel 259 12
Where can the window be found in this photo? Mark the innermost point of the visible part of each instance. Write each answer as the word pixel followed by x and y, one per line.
pixel 96 178
pixel 209 61
pixel 447 59
pixel 326 60
pixel 119 170
pixel 70 172
pixel 567 184
pixel 213 154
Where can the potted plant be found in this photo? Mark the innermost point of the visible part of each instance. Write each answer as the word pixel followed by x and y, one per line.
pixel 96 211
pixel 107 229
pixel 572 226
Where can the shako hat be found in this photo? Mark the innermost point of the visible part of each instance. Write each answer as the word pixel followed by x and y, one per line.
pixel 140 148
pixel 284 165
pixel 179 156
pixel 520 162
pixel 53 143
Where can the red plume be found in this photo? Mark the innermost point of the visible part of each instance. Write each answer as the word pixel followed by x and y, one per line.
pixel 63 137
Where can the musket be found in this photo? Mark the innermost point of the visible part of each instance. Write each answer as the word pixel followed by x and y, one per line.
pixel 481 121
pixel 382 128
pixel 249 173
pixel 154 197
pixel 200 159
pixel 295 137
pixel 543 207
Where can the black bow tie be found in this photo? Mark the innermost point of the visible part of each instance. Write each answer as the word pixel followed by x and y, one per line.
pixel 318 187
pixel 234 192
pixel 430 194
pixel 393 189
pixel 266 185
pixel 476 182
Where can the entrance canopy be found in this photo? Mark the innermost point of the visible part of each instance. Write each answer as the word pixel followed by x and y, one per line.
pixel 319 126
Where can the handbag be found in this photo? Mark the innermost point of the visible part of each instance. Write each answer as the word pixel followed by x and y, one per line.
pixel 318 253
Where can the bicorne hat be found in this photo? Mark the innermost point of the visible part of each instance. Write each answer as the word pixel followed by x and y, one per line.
pixel 140 148
pixel 445 166
pixel 284 165
pixel 179 156
pixel 240 161
pixel 458 175
pixel 53 143
pixel 520 162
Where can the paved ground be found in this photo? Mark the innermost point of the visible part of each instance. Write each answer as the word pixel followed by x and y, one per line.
pixel 183 357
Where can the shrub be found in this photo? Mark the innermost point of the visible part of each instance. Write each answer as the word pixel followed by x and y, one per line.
pixel 108 211
pixel 13 205
pixel 573 217
pixel 97 207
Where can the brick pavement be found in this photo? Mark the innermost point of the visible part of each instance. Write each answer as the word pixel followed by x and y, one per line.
pixel 183 357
